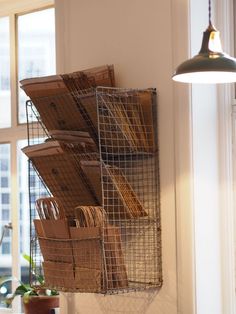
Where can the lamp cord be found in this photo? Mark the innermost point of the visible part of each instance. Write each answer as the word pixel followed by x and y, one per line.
pixel 209 11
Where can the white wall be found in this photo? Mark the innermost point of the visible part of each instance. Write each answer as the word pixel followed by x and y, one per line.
pixel 135 36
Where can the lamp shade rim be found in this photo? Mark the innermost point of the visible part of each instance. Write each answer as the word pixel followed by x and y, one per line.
pixel 206 77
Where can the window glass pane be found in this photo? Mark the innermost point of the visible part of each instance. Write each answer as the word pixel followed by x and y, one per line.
pixel 4 182
pixel 5 198
pixel 23 210
pixel 36 49
pixel 5 213
pixel 5 96
pixel 6 248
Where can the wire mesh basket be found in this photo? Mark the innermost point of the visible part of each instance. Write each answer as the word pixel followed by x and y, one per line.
pixel 96 222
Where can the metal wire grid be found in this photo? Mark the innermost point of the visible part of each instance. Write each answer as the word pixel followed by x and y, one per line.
pixel 127 170
pixel 36 131
pixel 36 134
pixel 134 156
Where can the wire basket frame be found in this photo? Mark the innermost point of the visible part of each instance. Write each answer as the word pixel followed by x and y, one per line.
pixel 133 160
pixel 107 185
pixel 36 134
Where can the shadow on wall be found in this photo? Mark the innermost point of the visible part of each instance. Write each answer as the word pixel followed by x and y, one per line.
pixel 132 303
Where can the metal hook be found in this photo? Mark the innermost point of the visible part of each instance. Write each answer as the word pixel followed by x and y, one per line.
pixel 8 226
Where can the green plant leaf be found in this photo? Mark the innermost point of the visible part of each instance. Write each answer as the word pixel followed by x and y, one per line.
pixel 26 296
pixel 9 299
pixel 29 260
pixel 25 290
pixel 54 292
pixel 39 278
pixel 22 289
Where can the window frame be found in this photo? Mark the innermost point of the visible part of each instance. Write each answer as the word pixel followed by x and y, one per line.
pixel 234 37
pixel 17 131
pixel 226 11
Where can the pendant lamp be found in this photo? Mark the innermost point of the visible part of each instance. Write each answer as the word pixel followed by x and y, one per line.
pixel 211 65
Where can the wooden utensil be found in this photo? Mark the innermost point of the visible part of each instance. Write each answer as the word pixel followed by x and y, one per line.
pixel 49 208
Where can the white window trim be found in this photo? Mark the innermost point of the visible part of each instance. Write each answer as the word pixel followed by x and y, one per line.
pixel 233 22
pixel 5 311
pixel 225 22
pixel 20 6
pixel 227 227
pixel 17 131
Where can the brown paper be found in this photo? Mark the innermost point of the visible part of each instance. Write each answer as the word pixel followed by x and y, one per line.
pixel 115 263
pixel 87 249
pixel 88 280
pixel 39 228
pixel 55 229
pixel 59 275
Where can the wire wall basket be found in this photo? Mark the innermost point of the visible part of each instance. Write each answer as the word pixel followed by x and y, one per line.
pixel 95 208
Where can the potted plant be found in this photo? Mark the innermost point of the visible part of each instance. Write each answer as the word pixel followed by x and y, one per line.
pixel 36 300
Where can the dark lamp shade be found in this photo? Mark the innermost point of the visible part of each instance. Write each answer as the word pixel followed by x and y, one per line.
pixel 210 66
